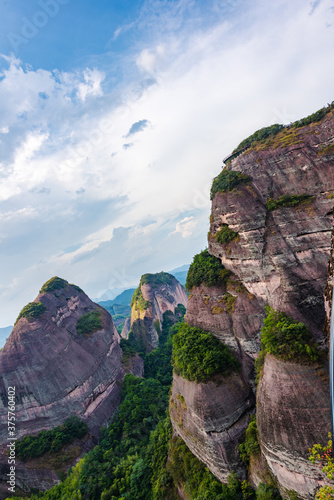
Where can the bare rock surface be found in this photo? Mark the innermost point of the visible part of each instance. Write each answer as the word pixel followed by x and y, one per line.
pixel 161 296
pixel 292 414
pixel 58 372
pixel 211 418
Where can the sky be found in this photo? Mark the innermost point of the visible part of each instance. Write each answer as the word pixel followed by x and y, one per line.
pixel 115 117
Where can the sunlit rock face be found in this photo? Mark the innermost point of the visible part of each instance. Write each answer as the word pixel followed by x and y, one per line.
pixel 162 292
pixel 58 372
pixel 279 257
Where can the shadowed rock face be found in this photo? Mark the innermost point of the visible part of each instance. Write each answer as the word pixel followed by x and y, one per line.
pixel 58 372
pixel 146 323
pixel 292 414
pixel 280 257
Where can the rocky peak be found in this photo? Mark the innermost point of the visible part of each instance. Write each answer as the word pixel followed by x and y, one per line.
pixel 156 294
pixel 63 357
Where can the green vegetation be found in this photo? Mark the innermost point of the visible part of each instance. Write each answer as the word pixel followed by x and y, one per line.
pixel 287 339
pixel 32 311
pixel 227 180
pixel 51 441
pixel 158 362
pixel 229 301
pixel 90 322
pixel 250 445
pixel 207 270
pixel 128 350
pixel 287 201
pixel 77 288
pixel 196 479
pixel 260 136
pixel 225 235
pixel 53 284
pixel 323 456
pixel 265 135
pixel 157 279
pixel 138 301
pixel 199 355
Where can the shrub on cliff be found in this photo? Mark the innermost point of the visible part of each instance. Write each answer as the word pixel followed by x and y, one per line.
pixel 250 445
pixel 138 301
pixel 287 339
pixel 206 269
pixel 32 311
pixel 227 180
pixel 287 201
pixel 157 279
pixel 51 440
pixel 53 284
pixel 90 322
pixel 225 235
pixel 198 355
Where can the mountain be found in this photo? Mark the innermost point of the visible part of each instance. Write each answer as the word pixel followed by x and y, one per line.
pixel 156 294
pixel 64 359
pixel 123 298
pixel 269 244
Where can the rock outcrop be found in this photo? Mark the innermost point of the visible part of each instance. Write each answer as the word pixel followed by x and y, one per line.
pixel 156 294
pixel 292 414
pixel 59 367
pixel 272 231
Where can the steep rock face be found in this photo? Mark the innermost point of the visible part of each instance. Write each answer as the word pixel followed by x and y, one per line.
pixel 282 255
pixel 291 399
pixel 212 418
pixel 58 372
pixel 156 294
pixel 126 328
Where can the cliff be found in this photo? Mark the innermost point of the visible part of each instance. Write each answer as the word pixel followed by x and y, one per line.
pixel 63 358
pixel 156 294
pixel 270 228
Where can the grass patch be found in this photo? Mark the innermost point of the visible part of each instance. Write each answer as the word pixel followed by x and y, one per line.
pixel 89 323
pixel 198 355
pixel 228 180
pixel 229 301
pixel 31 311
pixel 287 135
pixel 287 201
pixel 287 339
pixel 52 440
pixel 207 270
pixel 326 150
pixel 157 279
pixel 225 235
pixel 53 284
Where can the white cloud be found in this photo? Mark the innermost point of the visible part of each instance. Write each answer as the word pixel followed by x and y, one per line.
pixel 185 227
pixel 79 205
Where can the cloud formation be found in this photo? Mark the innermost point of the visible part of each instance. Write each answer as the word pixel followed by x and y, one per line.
pixel 76 203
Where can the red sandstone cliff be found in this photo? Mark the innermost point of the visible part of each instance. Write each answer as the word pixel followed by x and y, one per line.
pixel 156 294
pixel 58 372
pixel 280 257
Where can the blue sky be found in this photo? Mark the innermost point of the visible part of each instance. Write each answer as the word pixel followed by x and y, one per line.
pixel 115 117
